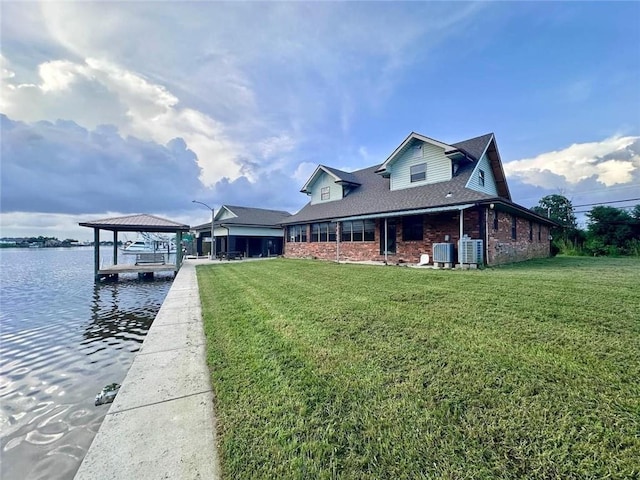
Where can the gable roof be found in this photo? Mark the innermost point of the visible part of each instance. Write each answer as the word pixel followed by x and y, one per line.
pixel 248 216
pixel 475 147
pixel 137 223
pixel 339 176
pixel 373 195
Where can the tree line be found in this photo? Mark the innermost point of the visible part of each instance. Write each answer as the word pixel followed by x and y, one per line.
pixel 610 231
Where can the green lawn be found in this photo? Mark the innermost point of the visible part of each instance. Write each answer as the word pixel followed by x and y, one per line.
pixel 323 370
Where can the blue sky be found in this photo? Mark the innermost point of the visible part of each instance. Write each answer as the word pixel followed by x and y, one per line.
pixel 111 109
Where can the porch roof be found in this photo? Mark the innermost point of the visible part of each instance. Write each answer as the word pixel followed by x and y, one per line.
pixel 408 212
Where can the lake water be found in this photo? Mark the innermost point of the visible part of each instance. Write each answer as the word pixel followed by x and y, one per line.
pixel 62 339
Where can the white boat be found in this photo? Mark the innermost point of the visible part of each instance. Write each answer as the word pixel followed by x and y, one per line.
pixel 149 244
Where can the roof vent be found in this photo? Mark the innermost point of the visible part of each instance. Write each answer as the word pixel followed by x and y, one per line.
pixel 449 195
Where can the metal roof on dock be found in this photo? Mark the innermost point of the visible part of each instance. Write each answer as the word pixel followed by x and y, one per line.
pixel 135 223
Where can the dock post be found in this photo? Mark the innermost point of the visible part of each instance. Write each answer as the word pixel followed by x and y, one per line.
pixel 96 253
pixel 115 247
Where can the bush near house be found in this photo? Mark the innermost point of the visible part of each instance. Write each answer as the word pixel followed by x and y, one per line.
pixel 323 370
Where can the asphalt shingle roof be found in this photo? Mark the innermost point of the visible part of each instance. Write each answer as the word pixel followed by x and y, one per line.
pixel 474 146
pixel 254 216
pixel 344 176
pixel 373 195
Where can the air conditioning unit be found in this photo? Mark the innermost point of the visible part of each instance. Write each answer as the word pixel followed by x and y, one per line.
pixel 443 252
pixel 470 250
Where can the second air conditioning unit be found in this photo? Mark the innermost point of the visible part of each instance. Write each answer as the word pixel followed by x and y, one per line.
pixel 443 252
pixel 470 250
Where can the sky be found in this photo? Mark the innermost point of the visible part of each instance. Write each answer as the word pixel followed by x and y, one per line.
pixel 118 108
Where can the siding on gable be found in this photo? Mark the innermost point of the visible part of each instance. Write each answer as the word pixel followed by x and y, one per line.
pixel 325 180
pixel 225 215
pixel 489 180
pixel 438 167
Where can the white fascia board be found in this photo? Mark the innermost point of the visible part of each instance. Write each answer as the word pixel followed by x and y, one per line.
pixel 312 178
pixel 221 209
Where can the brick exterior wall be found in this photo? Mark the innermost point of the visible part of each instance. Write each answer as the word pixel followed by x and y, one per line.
pixel 502 248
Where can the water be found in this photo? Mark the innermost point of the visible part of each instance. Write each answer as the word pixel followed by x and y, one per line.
pixel 62 339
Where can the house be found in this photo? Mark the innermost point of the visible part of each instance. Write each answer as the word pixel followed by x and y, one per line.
pixel 421 200
pixel 251 232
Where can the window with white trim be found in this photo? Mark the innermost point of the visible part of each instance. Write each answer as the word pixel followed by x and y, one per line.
pixel 325 193
pixel 481 178
pixel 418 172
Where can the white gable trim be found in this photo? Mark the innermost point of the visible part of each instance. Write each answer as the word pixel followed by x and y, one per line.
pixel 226 209
pixel 313 178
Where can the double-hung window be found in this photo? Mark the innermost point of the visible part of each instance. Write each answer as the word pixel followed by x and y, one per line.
pixel 325 193
pixel 418 172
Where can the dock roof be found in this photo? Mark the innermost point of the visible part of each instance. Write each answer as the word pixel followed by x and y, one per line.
pixel 137 223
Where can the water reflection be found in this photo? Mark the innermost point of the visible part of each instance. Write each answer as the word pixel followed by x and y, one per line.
pixel 63 338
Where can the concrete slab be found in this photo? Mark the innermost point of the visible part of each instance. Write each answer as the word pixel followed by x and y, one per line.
pixel 163 376
pixel 173 336
pixel 171 440
pixel 162 423
pixel 187 313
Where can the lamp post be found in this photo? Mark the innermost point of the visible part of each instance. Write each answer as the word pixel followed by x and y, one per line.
pixel 212 215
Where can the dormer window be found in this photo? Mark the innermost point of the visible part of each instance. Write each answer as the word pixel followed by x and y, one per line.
pixel 418 172
pixel 325 193
pixel 481 177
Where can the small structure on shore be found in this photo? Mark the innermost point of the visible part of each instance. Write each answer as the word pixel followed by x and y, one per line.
pixel 146 264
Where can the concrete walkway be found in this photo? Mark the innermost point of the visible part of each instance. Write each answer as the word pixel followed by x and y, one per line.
pixel 161 424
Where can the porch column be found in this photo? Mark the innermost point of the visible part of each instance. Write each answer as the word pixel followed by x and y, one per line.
pixel 461 233
pixel 338 229
pixel 386 241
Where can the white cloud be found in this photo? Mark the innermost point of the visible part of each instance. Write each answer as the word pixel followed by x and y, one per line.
pixel 136 106
pixel 220 75
pixel 303 172
pixel 615 160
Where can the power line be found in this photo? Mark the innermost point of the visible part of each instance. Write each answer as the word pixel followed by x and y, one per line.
pixel 606 203
pixel 571 194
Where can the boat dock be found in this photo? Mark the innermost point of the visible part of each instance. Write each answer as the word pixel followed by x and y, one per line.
pixel 144 271
pixel 147 263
